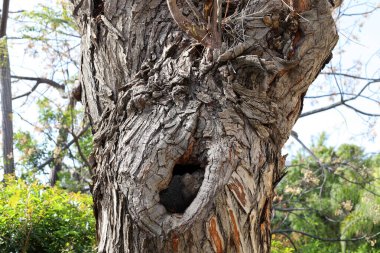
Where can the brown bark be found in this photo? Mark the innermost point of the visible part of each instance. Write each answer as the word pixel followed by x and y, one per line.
pixel 166 108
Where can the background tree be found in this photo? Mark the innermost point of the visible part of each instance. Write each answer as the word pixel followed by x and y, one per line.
pixel 6 94
pixel 57 140
pixel 329 201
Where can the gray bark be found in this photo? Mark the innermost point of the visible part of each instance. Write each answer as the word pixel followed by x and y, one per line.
pixel 165 108
pixel 6 109
pixel 6 95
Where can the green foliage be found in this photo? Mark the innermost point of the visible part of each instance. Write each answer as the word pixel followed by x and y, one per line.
pixel 49 140
pixel 335 197
pixel 35 218
pixel 46 20
pixel 30 151
pixel 278 245
pixel 51 33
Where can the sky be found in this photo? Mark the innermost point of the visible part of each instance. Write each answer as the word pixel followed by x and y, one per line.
pixel 341 125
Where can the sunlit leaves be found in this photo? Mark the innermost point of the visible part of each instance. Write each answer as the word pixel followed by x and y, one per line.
pixel 45 20
pixel 35 218
pixel 31 151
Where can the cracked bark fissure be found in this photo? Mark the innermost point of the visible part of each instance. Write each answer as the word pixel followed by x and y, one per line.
pixel 157 98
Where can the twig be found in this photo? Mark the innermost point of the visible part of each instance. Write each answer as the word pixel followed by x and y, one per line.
pixel 295 136
pixel 48 161
pixel 84 158
pixel 39 81
pixel 325 239
pixel 290 240
pixel 344 102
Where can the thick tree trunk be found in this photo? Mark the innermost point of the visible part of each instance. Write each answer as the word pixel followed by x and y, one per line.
pixel 188 138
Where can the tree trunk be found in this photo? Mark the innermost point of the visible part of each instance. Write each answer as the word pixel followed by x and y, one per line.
pixel 6 95
pixel 188 129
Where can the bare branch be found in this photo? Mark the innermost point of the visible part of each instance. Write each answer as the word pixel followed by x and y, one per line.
pixel 344 94
pixel 351 76
pixel 290 209
pixel 290 240
pixel 39 81
pixel 84 158
pixel 344 102
pixel 361 112
pixel 365 237
pixel 295 136
pixel 48 161
pixel 360 13
pixel 362 185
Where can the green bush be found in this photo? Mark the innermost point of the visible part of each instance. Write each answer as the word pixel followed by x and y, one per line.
pixel 36 218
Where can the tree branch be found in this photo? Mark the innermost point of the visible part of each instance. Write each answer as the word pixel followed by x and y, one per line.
pixel 351 76
pixel 289 209
pixel 290 240
pixel 39 81
pixel 295 136
pixel 344 102
pixel 361 112
pixel 48 161
pixel 325 239
pixel 84 158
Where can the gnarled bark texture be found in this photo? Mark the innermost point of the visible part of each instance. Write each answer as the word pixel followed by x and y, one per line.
pixel 187 137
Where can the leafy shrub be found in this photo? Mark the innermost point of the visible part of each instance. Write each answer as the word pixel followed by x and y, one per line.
pixel 36 218
pixel 279 245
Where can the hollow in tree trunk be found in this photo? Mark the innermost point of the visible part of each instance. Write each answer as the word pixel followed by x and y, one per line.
pixel 191 103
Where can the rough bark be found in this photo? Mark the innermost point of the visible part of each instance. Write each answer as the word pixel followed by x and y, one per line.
pixel 165 108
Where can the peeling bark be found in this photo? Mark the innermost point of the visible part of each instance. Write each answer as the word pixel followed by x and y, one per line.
pixel 159 101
